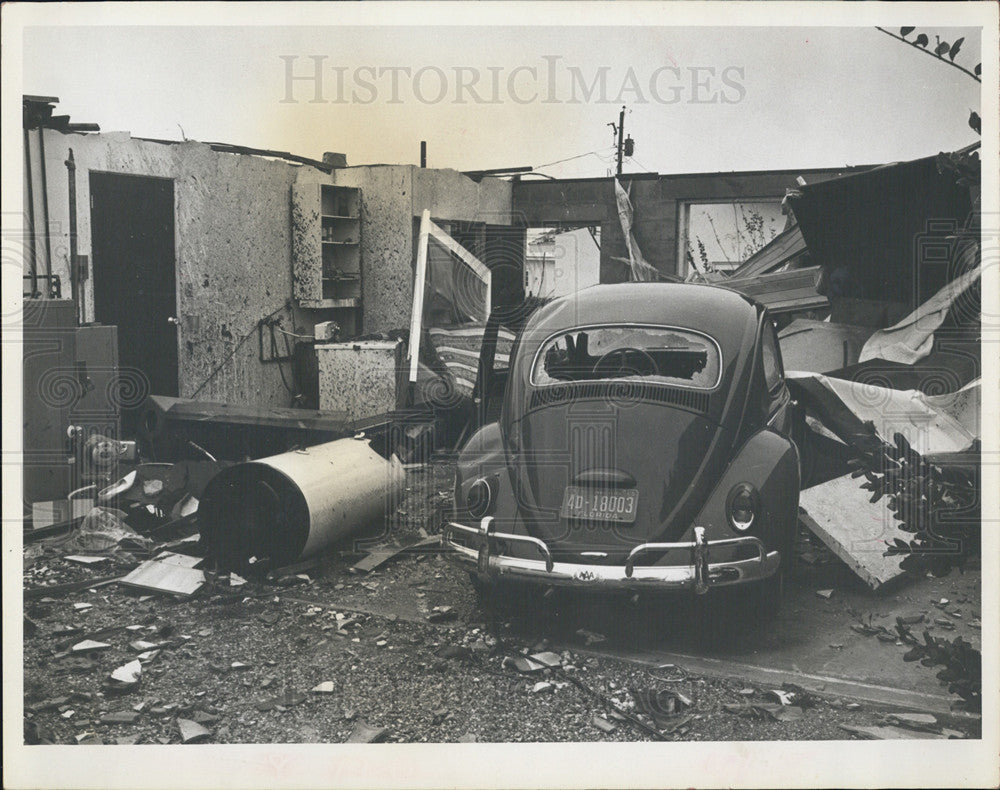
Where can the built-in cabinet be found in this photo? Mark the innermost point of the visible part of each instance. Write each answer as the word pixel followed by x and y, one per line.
pixel 326 246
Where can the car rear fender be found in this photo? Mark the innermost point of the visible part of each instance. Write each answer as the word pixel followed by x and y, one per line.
pixel 769 462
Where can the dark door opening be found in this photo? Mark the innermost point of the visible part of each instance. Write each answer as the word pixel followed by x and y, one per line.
pixel 132 231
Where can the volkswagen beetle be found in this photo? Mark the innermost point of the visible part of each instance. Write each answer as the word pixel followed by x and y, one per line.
pixel 634 437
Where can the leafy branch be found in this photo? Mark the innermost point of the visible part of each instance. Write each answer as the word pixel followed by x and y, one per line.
pixel 941 49
pixel 963 664
pixel 938 505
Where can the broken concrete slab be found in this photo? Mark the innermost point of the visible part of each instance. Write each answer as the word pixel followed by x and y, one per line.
pixel 839 514
pixel 192 731
pixel 89 646
pixel 522 664
pixel 362 733
pixel 603 724
pixel 129 673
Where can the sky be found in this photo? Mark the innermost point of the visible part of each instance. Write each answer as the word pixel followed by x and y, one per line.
pixel 697 99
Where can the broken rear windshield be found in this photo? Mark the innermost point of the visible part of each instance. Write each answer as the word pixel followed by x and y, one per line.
pixel 659 354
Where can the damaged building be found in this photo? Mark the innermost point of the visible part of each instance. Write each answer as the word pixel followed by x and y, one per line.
pixel 211 320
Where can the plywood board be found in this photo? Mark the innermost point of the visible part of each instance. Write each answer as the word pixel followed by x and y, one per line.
pixel 165 577
pixel 839 514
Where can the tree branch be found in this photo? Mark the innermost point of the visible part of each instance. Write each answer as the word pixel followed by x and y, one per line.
pixel 928 52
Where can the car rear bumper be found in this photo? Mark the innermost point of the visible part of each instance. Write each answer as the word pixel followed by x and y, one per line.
pixel 699 574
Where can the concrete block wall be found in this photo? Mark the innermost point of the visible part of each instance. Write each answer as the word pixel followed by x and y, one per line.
pixel 232 248
pixel 657 202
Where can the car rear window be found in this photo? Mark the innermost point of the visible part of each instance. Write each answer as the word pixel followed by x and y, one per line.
pixel 659 354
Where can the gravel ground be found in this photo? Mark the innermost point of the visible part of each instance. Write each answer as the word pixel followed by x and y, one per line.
pixel 420 681
pixel 244 662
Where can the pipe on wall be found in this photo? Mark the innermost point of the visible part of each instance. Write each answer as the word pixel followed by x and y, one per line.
pixel 273 511
pixel 74 274
pixel 45 205
pixel 32 246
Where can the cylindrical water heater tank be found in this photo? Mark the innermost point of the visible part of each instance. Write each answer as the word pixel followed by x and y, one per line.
pixel 289 506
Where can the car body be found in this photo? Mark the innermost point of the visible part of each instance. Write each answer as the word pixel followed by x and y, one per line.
pixel 642 441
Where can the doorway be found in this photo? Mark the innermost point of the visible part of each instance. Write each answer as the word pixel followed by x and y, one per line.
pixel 132 232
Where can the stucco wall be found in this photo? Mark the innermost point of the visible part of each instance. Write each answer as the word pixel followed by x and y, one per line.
pixel 232 250
pixel 392 196
pixel 233 244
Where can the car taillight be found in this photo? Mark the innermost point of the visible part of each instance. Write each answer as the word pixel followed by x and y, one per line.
pixel 479 500
pixel 742 507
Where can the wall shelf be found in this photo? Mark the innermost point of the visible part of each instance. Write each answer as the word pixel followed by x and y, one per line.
pixel 330 304
pixel 326 222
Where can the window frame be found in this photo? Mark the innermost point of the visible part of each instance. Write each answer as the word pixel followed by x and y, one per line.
pixel 626 325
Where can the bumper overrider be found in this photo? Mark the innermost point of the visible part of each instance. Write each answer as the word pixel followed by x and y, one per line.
pixel 700 574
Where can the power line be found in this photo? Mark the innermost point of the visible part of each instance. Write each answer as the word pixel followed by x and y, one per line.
pixel 636 161
pixel 596 153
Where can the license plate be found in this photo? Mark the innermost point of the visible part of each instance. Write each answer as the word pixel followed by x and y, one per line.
pixel 600 504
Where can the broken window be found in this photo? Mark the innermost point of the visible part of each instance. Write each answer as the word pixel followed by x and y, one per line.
pixel 719 236
pixel 658 354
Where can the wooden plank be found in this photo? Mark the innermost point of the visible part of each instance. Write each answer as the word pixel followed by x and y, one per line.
pixel 44 591
pixel 380 556
pixel 419 284
pixel 783 291
pixel 839 514
pixel 781 248
pixel 165 577
pixel 184 410
pixel 325 304
pixel 181 560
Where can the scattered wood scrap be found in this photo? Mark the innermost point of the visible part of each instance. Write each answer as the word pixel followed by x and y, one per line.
pixel 383 555
pixel 165 577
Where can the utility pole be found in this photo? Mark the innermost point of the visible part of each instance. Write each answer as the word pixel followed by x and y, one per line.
pixel 626 145
pixel 621 134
